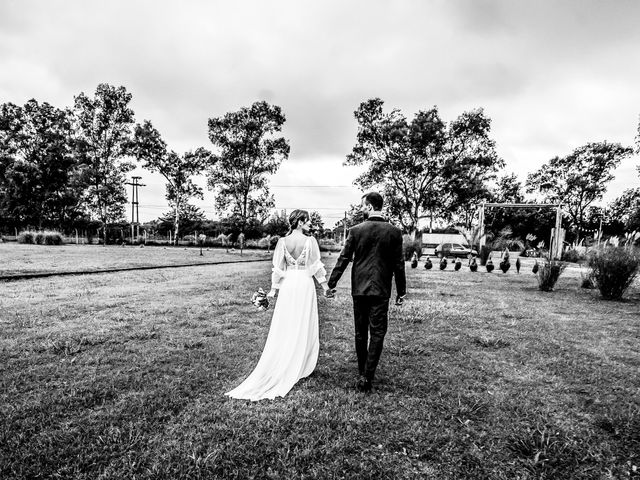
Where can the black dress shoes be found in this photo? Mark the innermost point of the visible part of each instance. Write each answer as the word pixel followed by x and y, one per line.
pixel 364 384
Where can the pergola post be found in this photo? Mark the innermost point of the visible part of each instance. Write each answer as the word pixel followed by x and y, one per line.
pixel 481 223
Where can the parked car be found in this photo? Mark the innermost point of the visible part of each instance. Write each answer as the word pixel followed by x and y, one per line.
pixel 454 250
pixel 429 249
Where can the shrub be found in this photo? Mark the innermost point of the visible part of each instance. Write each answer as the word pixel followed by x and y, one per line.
pixel 41 237
pixel 614 269
pixel 485 251
pixel 409 246
pixel 587 282
pixel 549 273
pixel 26 237
pixel 572 255
pixel 52 238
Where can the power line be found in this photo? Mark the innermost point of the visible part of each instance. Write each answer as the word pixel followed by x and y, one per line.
pixel 313 186
pixel 283 186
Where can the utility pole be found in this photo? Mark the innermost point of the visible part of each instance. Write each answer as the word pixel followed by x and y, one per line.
pixel 345 229
pixel 135 217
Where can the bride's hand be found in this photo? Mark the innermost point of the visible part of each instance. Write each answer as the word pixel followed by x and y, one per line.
pixel 272 293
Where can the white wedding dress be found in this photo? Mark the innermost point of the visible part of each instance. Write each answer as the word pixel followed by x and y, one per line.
pixel 291 350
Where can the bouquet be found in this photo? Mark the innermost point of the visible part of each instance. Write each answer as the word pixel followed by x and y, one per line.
pixel 260 300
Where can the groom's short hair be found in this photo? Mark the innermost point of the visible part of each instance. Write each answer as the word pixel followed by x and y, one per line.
pixel 375 200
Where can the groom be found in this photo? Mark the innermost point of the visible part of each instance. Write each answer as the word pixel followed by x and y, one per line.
pixel 375 246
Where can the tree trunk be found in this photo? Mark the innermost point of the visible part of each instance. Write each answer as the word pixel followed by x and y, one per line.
pixel 176 224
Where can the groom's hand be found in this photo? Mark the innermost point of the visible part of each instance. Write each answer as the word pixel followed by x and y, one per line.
pixel 330 292
pixel 400 299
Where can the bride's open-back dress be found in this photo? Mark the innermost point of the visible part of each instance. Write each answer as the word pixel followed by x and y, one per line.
pixel 291 350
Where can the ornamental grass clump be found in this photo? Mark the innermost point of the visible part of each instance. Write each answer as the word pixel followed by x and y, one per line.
pixel 26 237
pixel 40 237
pixel 549 273
pixel 48 237
pixel 614 269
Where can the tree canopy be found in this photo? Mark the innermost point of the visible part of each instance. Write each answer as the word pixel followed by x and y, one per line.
pixel 41 182
pixel 178 170
pixel 579 179
pixel 424 167
pixel 103 130
pixel 247 149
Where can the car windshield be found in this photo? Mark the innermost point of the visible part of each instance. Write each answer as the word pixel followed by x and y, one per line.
pixel 457 247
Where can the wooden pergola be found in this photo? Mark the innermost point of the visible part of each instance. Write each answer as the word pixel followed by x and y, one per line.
pixel 555 243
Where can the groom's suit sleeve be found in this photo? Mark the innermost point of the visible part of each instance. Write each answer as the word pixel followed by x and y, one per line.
pixel 343 260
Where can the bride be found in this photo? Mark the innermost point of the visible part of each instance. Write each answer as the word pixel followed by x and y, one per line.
pixel 291 350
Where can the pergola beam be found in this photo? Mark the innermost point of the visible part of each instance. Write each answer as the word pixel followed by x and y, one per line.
pixel 522 205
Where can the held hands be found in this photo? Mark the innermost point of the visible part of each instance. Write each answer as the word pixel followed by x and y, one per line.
pixel 328 292
pixel 272 293
pixel 400 299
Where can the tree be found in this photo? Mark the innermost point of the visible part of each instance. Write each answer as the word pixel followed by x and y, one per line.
pixel 178 170
pixel 471 162
pixel 578 179
pixel 248 150
pixel 103 133
pixel 638 142
pixel 40 180
pixel 353 216
pixel 277 224
pixel 392 151
pixel 423 167
pixel 317 225
pixel 192 219
pixel 626 210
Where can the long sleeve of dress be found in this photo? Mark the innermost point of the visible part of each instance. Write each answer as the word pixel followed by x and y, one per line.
pixel 279 265
pixel 315 267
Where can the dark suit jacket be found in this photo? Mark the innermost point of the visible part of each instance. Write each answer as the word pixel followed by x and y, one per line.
pixel 375 246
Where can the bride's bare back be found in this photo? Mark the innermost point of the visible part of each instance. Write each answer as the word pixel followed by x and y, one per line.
pixel 295 243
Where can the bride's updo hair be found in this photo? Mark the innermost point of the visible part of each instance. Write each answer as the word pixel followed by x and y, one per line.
pixel 296 217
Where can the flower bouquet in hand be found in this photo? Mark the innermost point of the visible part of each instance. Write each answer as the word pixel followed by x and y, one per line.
pixel 260 300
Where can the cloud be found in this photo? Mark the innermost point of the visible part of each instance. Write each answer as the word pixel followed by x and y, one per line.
pixel 551 75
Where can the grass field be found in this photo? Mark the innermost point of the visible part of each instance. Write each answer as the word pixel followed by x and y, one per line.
pixel 16 258
pixel 122 375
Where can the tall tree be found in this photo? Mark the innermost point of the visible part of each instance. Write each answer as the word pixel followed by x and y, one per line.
pixel 638 145
pixel 638 141
pixel 40 180
pixel 353 216
pixel 579 179
pixel 402 160
pixel 471 163
pixel 425 168
pixel 508 190
pixel 192 219
pixel 248 150
pixel 317 224
pixel 103 131
pixel 626 210
pixel 178 170
pixel 277 224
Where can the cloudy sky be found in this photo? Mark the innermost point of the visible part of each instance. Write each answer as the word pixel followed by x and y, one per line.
pixel 551 74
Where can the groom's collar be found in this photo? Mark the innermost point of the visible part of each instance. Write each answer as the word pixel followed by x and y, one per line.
pixel 376 217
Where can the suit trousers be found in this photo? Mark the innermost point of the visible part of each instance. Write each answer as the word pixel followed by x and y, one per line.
pixel 371 320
